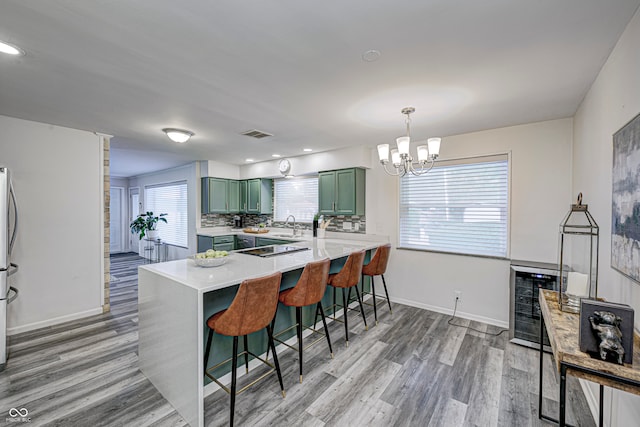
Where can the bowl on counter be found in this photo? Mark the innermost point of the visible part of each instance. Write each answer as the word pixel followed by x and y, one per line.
pixel 209 262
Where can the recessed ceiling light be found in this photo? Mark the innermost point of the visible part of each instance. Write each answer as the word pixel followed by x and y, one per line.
pixel 276 155
pixel 308 150
pixel 248 160
pixel 10 49
pixel 371 55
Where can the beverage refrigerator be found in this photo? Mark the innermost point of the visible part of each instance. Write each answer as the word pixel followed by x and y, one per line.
pixel 8 231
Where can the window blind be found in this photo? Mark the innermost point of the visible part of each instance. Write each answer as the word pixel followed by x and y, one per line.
pixel 457 208
pixel 172 200
pixel 297 197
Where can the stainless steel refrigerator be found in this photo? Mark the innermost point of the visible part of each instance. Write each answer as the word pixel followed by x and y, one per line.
pixel 8 230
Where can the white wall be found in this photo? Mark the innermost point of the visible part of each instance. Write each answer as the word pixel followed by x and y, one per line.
pixel 310 164
pixel 611 102
pixel 540 197
pixel 189 173
pixel 57 175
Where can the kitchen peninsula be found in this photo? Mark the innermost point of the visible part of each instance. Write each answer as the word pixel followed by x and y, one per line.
pixel 176 298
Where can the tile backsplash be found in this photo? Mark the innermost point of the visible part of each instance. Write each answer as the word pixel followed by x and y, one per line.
pixel 353 224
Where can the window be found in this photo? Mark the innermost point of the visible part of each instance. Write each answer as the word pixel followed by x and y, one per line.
pixel 297 197
pixel 172 200
pixel 457 208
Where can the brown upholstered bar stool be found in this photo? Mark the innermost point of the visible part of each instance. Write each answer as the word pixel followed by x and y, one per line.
pixel 347 278
pixel 377 267
pixel 309 290
pixel 252 309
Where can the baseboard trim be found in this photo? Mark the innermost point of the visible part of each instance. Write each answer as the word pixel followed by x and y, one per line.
pixel 52 322
pixel 469 316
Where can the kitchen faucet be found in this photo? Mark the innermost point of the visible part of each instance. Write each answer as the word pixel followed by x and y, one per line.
pixel 294 224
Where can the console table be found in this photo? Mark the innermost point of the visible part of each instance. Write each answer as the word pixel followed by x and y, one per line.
pixel 563 331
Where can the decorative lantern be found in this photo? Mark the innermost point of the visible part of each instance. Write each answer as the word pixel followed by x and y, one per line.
pixel 578 258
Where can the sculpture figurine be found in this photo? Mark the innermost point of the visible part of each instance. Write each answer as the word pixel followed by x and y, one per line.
pixel 606 326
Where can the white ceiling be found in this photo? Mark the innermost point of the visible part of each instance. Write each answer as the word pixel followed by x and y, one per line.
pixel 294 69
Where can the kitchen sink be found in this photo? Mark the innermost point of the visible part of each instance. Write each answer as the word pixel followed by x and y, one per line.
pixel 288 236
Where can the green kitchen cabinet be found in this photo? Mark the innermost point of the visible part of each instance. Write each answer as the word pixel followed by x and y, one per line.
pixel 267 241
pixel 204 243
pixel 242 196
pixel 341 192
pixel 220 195
pixel 217 243
pixel 233 196
pixel 259 196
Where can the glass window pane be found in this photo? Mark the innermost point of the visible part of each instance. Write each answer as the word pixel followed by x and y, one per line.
pixel 459 208
pixel 172 200
pixel 297 197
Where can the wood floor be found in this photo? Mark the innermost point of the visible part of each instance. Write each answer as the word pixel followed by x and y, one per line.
pixel 413 369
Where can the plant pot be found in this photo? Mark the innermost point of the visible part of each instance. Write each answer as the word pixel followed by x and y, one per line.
pixel 152 234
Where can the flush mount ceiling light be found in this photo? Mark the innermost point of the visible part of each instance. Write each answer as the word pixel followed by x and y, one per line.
pixel 276 155
pixel 401 160
pixel 371 55
pixel 10 49
pixel 178 135
pixel 307 150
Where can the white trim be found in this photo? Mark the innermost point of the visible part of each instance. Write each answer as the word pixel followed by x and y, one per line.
pixel 55 321
pixel 102 138
pixel 469 316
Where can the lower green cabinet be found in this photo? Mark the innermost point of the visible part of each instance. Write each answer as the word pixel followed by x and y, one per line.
pixel 217 243
pixel 266 241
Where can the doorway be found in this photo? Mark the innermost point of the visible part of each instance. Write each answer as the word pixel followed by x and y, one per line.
pixel 135 208
pixel 116 220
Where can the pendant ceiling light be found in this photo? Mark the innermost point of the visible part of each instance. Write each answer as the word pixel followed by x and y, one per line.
pixel 401 159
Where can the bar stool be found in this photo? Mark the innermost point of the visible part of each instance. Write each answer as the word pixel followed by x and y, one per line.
pixel 252 309
pixel 377 267
pixel 347 278
pixel 309 290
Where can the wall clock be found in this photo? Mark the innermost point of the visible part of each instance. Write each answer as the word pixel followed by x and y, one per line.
pixel 284 166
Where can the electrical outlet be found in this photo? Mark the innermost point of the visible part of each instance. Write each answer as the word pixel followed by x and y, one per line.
pixel 458 295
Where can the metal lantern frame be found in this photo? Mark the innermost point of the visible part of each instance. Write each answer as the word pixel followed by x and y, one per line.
pixel 569 227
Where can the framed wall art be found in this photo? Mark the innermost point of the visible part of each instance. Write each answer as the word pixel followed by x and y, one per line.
pixel 625 201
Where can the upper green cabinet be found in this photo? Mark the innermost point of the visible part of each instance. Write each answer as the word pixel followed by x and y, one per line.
pixel 242 199
pixel 259 196
pixel 341 192
pixel 221 195
pixel 233 196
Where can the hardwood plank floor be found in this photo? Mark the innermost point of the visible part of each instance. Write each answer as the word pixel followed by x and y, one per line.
pixel 413 369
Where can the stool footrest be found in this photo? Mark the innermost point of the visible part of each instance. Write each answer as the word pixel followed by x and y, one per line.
pixel 245 388
pixel 309 328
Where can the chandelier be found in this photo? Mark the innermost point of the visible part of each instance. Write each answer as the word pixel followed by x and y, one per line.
pixel 401 159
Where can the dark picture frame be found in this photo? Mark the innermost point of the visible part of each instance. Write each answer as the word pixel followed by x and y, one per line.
pixel 625 201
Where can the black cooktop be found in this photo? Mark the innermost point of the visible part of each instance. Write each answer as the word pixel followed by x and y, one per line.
pixel 268 251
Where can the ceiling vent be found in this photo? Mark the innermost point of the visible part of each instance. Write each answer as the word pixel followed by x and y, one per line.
pixel 254 133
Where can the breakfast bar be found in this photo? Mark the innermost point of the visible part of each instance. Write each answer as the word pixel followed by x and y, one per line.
pixel 176 298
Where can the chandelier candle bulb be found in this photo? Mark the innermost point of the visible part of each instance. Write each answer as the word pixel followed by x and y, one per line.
pixel 403 145
pixel 434 146
pixel 423 153
pixel 395 157
pixel 383 152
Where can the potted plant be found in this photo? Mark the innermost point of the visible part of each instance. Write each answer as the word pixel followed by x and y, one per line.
pixel 146 224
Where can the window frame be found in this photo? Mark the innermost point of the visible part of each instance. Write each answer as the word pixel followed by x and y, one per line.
pixel 186 213
pixel 299 178
pixel 486 158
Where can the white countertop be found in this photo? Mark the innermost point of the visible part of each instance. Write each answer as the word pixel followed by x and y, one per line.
pixel 241 266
